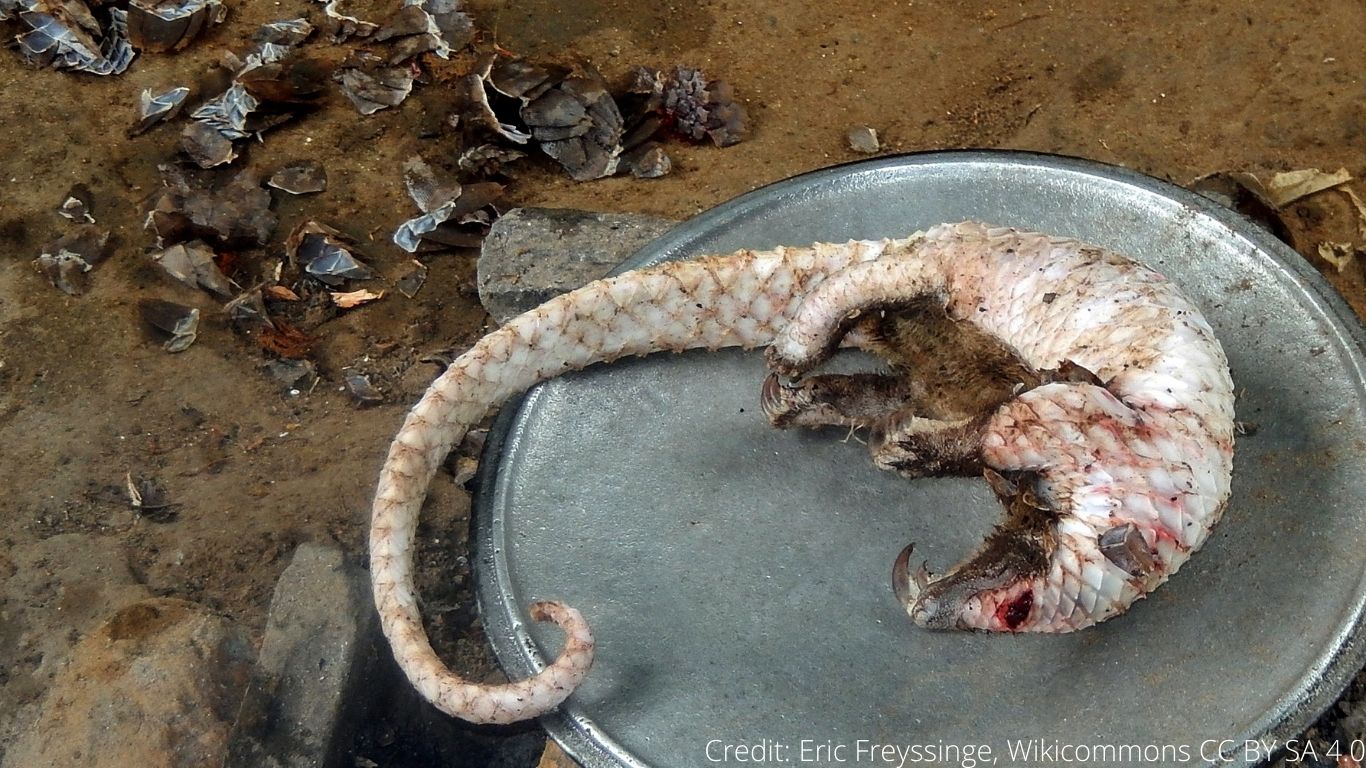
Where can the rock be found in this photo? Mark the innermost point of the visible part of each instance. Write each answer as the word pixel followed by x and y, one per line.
pixel 863 140
pixel 315 672
pixel 535 254
pixel 293 376
pixel 326 692
pixel 52 593
pixel 155 685
pixel 62 585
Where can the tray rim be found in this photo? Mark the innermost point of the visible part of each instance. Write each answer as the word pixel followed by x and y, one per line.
pixel 517 653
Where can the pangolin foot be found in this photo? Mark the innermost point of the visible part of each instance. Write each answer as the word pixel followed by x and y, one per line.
pixel 783 400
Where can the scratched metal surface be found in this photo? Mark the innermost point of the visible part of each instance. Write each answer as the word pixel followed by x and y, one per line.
pixel 737 577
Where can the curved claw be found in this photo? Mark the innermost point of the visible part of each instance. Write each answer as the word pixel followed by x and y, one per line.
pixel 906 585
pixel 781 399
pixel 775 384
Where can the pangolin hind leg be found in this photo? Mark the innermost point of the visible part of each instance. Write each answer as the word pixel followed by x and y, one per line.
pixel 840 400
pixel 915 446
pixel 832 400
pixel 927 414
pixel 957 376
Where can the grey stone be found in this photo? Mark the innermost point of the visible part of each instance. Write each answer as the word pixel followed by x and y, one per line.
pixel 317 662
pixel 534 254
pixel 292 375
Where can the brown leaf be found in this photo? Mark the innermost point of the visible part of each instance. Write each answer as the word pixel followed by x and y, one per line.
pixel 281 293
pixel 285 340
pixel 354 298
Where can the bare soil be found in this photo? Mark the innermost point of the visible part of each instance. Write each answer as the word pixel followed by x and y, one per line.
pixel 1172 88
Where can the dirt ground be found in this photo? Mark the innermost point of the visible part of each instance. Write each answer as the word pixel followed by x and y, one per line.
pixel 1171 88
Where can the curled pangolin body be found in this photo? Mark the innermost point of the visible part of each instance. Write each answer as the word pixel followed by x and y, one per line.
pixel 1133 472
pixel 1143 462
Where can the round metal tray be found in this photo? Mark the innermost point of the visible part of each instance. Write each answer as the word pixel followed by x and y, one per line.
pixel 736 576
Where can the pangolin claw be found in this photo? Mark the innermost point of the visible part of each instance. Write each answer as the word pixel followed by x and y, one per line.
pixel 905 585
pixel 781 398
pixel 909 585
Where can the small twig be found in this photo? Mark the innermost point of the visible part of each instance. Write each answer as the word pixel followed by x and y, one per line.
pixel 1021 20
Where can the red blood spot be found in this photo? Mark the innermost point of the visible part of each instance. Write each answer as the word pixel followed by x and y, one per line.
pixel 1014 612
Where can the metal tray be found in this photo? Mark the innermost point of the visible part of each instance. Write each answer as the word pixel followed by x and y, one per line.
pixel 736 576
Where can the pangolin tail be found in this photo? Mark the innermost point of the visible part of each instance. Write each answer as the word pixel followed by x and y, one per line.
pixel 740 299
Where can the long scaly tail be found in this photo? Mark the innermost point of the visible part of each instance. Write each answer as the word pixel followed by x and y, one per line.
pixel 741 299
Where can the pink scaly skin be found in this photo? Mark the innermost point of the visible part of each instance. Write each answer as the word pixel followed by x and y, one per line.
pixel 1112 450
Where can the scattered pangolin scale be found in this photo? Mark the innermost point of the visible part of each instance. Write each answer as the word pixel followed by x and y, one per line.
pixel 1110 440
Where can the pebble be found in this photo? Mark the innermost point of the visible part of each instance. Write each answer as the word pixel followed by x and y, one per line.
pixel 157 684
pixel 863 140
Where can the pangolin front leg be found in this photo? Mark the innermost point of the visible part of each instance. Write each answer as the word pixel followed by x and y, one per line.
pixel 926 416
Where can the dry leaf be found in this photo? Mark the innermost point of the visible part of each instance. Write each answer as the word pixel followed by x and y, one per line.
pixel 281 293
pixel 1339 255
pixel 285 340
pixel 1361 210
pixel 1285 188
pixel 354 298
pixel 1276 191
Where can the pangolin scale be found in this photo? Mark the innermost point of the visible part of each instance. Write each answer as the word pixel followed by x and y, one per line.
pixel 1108 434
